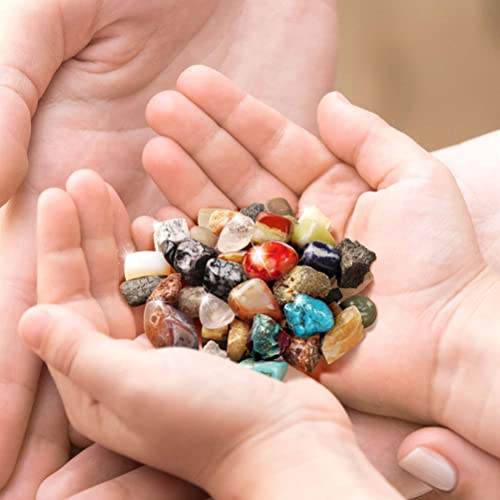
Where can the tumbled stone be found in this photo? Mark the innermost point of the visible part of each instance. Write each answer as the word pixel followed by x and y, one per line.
pixel 236 257
pixel 214 312
pixel 307 231
pixel 189 300
pixel 204 235
pixel 236 234
pixel 347 333
pixel 254 297
pixel 237 340
pixel 301 279
pixel 204 214
pixel 351 292
pixel 307 316
pixel 270 261
pixel 219 218
pixel 166 326
pixel 168 290
pixel 253 210
pixel 264 233
pixel 218 335
pixel 168 234
pixel 142 264
pixel 365 306
pixel 322 257
pixel 304 354
pixel 213 348
pixel 315 214
pixel 273 369
pixel 190 260
pixel 267 339
pixel 275 221
pixel 279 206
pixel 138 290
pixel 221 276
pixel 355 262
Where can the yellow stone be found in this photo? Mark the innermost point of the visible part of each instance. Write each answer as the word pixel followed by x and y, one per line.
pixel 237 340
pixel 347 333
pixel 218 335
pixel 233 256
pixel 219 218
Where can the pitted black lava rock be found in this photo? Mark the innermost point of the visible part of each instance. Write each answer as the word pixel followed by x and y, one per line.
pixel 221 276
pixel 190 260
pixel 355 262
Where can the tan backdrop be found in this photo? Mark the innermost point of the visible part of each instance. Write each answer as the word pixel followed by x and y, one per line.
pixel 430 67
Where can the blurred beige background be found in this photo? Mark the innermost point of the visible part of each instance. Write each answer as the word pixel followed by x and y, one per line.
pixel 430 67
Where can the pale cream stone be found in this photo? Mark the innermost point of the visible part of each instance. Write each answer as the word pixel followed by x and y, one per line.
pixel 141 264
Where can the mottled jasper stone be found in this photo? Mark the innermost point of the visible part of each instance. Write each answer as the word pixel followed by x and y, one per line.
pixel 308 230
pixel 237 340
pixel 213 348
pixel 221 276
pixel 219 218
pixel 218 335
pixel 190 260
pixel 322 257
pixel 214 312
pixel 355 262
pixel 236 234
pixel 272 369
pixel 165 326
pixel 168 234
pixel 189 300
pixel 204 235
pixel 279 206
pixel 267 339
pixel 301 279
pixel 137 291
pixel 365 306
pixel 254 297
pixel 168 290
pixel 270 261
pixel 307 316
pixel 304 354
pixel 236 257
pixel 347 333
pixel 253 210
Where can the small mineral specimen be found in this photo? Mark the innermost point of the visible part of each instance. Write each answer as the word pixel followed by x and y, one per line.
pixel 307 316
pixel 273 369
pixel 138 290
pixel 355 262
pixel 267 339
pixel 141 264
pixel 315 214
pixel 189 300
pixel 236 234
pixel 168 290
pixel 264 233
pixel 351 292
pixel 304 354
pixel 279 206
pixel 204 235
pixel 219 218
pixel 190 260
pixel 365 306
pixel 347 333
pixel 168 234
pixel 274 221
pixel 253 210
pixel 237 340
pixel 218 335
pixel 304 280
pixel 270 261
pixel 322 257
pixel 213 348
pixel 214 312
pixel 221 276
pixel 308 231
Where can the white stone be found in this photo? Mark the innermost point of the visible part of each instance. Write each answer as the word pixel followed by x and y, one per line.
pixel 141 264
pixel 215 313
pixel 236 235
pixel 174 230
pixel 213 348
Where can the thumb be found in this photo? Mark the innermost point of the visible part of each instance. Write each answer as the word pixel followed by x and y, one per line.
pixel 35 39
pixel 448 463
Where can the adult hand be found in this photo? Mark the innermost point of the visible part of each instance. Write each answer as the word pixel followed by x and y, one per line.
pixel 79 82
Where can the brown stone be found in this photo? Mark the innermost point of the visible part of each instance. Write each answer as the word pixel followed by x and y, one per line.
pixel 168 290
pixel 303 353
pixel 237 340
pixel 218 335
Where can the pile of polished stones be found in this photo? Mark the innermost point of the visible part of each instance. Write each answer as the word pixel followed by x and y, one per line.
pixel 257 286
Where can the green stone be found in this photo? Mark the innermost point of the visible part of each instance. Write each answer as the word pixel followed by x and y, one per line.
pixel 273 369
pixel 365 306
pixel 308 230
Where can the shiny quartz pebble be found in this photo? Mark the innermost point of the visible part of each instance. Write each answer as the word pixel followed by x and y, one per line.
pixel 322 257
pixel 270 261
pixel 214 312
pixel 273 369
pixel 236 234
pixel 307 316
pixel 308 230
pixel 165 326
pixel 141 264
pixel 365 306
pixel 219 218
pixel 267 339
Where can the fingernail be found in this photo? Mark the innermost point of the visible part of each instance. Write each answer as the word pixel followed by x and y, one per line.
pixel 341 97
pixel 34 328
pixel 431 468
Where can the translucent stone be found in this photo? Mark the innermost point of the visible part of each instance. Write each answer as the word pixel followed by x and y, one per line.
pixel 213 348
pixel 254 297
pixel 315 214
pixel 214 312
pixel 165 326
pixel 141 264
pixel 309 230
pixel 219 218
pixel 265 233
pixel 236 235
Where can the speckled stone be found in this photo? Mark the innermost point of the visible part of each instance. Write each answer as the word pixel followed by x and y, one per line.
pixel 272 369
pixel 322 257
pixel 304 354
pixel 189 300
pixel 253 210
pixel 168 234
pixel 204 235
pixel 267 339
pixel 137 291
pixel 237 340
pixel 168 290
pixel 190 260
pixel 355 262
pixel 301 279
pixel 279 206
pixel 365 306
pixel 221 276
pixel 307 316
pixel 213 348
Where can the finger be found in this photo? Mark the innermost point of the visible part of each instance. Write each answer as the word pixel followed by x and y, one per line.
pixel 46 445
pixel 381 154
pixel 284 149
pixel 141 484
pixel 180 178
pixel 450 464
pixel 223 159
pixel 89 468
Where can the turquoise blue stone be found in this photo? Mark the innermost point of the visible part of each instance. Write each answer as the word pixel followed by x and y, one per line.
pixel 307 316
pixel 273 369
pixel 267 339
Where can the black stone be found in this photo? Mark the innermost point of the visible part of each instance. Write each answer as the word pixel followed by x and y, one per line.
pixel 137 291
pixel 355 262
pixel 253 210
pixel 335 295
pixel 322 257
pixel 221 276
pixel 190 260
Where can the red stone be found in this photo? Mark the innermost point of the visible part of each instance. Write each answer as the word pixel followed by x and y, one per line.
pixel 270 261
pixel 275 222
